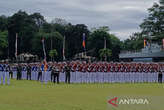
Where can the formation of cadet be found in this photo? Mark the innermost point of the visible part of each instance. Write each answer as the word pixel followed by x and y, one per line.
pixel 6 70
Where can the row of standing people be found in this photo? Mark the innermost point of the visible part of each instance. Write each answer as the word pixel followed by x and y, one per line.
pixel 6 70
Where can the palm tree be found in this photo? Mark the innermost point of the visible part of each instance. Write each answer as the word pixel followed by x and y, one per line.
pixel 53 53
pixel 105 53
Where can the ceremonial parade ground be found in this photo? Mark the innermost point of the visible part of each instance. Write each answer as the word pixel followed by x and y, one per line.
pixel 32 95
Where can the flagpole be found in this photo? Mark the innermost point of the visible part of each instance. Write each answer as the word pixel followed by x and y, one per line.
pixel 64 48
pixel 8 51
pixel 105 47
pixel 16 46
pixel 51 47
pixel 104 43
pixel 44 49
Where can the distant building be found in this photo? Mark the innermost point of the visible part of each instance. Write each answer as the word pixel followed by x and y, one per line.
pixel 151 53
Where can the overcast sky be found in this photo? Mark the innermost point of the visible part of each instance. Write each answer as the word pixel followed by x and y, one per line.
pixel 122 16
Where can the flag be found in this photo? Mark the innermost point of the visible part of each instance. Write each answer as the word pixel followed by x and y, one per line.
pixel 163 43
pixel 45 65
pixel 144 42
pixel 83 41
pixel 16 42
pixel 64 48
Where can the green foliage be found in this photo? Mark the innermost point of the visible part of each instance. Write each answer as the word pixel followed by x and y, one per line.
pixel 53 53
pixel 55 40
pixel 25 26
pixel 3 39
pixel 52 40
pixel 74 38
pixel 38 18
pixel 153 25
pixel 102 28
pixel 31 28
pixel 3 23
pixel 135 42
pixel 96 41
pixel 105 53
pixel 3 42
pixel 152 28
pixel 115 47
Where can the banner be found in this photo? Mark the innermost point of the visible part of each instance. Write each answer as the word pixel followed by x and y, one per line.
pixel 83 41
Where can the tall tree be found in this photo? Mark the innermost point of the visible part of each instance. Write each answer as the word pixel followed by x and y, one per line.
pixel 3 23
pixel 26 28
pixel 38 18
pixel 153 25
pixel 52 40
pixel 3 44
pixel 96 41
pixel 135 42
pixel 105 53
pixel 115 47
pixel 74 38
pixel 53 53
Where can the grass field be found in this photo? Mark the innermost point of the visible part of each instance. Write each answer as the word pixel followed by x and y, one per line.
pixel 32 95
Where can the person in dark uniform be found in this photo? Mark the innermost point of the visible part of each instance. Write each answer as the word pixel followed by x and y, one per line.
pixel 160 77
pixel 10 72
pixel 7 69
pixel 55 75
pixel 52 73
pixel 28 72
pixel 67 73
pixel 39 74
pixel 1 72
pixel 19 72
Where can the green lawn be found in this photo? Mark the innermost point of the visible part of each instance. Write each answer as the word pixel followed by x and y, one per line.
pixel 32 95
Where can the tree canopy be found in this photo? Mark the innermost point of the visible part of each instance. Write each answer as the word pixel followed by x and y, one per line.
pixel 31 28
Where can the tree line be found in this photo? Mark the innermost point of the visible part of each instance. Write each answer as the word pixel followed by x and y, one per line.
pixel 31 28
